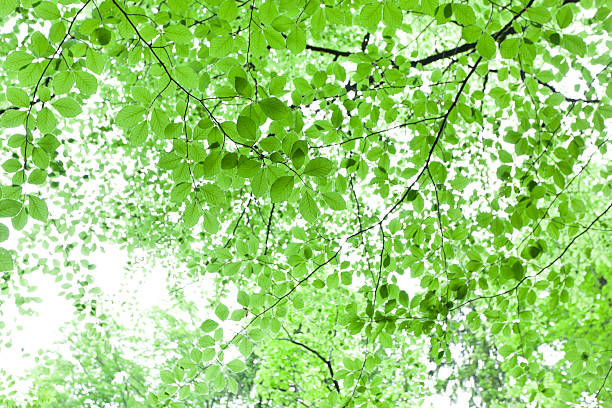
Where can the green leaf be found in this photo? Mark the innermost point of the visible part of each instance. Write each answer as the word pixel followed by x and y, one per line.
pixel 213 194
pixel 12 165
pixel 63 82
pixel 167 376
pixel 281 189
pixel 243 87
pixel 319 167
pixel 335 201
pixel 210 222
pixel 574 44
pixel 564 16
pixel 270 144
pixel 196 355
pixel 201 388
pixel 509 48
pixel 49 143
pixel 268 11
pixel 4 232
pixel 392 14
pixel 208 325
pixel 46 121
pixel 282 23
pixel 38 209
pixel 16 60
pixel 95 61
pixel 178 33
pixel 40 46
pixel 308 207
pixel 9 207
pixel 40 158
pixel 12 118
pixel 370 15
pixel 506 350
pixel 7 7
pixel 130 116
pixel 486 46
pixel 169 161
pixel 20 220
pixel 192 214
pixel 296 40
pixel 179 192
pixel 219 383
pixel 464 14
pixel 539 14
pixel 37 176
pixel 246 128
pixel 6 260
pixel 178 6
pixel 222 312
pixel 260 182
pixel 236 366
pixel 18 97
pixel 102 35
pixel 243 298
pixel 47 11
pixel 67 107
pixel 221 46
pixel 186 76
pixel 274 108
pixel 274 39
pixel 228 10
pixel 139 133
pixel 86 82
pixel 141 94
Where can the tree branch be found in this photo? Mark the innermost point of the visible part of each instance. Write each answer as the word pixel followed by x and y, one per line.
pixel 181 87
pixel 316 353
pixel 499 37
pixel 603 383
pixel 268 229
pixel 551 263
pixel 325 50
pixel 237 223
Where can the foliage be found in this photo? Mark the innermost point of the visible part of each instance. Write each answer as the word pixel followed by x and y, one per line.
pixel 370 185
pixel 109 365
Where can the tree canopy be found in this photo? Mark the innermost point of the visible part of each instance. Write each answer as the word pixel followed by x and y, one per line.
pixel 390 200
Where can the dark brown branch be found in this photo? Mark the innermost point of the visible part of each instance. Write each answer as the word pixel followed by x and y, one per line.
pixel 603 383
pixel 32 103
pixel 402 125
pixel 444 54
pixel 364 43
pixel 237 223
pixel 573 100
pixel 326 50
pixel 554 90
pixel 436 141
pixel 316 353
pixel 289 292
pixel 498 36
pixel 268 229
pixel 59 46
